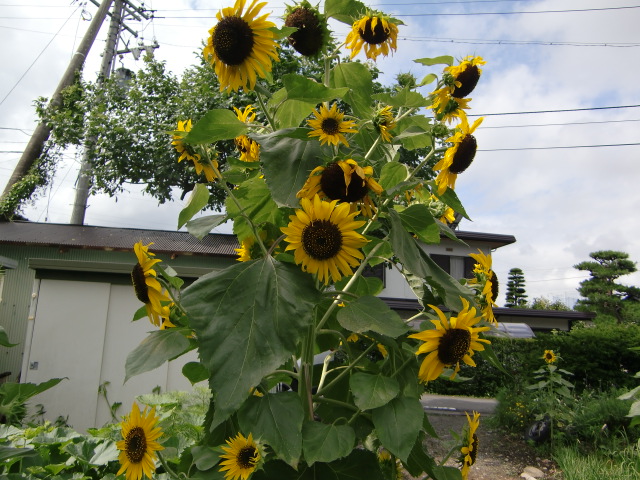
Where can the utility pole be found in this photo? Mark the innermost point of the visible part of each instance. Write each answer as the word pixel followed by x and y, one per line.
pixel 40 135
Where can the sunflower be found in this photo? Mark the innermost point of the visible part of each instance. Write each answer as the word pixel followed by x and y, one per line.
pixel 441 210
pixel 384 122
pixel 549 356
pixel 459 156
pixel 486 277
pixel 187 152
pixel 312 34
pixel 470 449
pixel 249 149
pixel 241 46
pixel 376 32
pixel 139 445
pixel 365 342
pixel 452 341
pixel 147 287
pixel 324 238
pixel 463 78
pixel 445 106
pixel 345 181
pixel 241 457
pixel 244 252
pixel 329 125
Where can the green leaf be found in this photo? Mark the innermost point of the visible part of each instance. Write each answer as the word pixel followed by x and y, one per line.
pixel 282 32
pixel 404 98
pixel 195 372
pixel 417 219
pixel 428 79
pixel 418 262
pixel 419 461
pixel 201 227
pixel 397 424
pixel 103 453
pixel 451 198
pixel 21 392
pixel 9 452
pixel 288 161
pixel 345 11
pixel 442 60
pixel 362 285
pixel 382 253
pixel 373 391
pixel 634 410
pixel 308 90
pixel 415 132
pixel 288 113
pixel 217 124
pixel 358 78
pixel 371 314
pixel 4 339
pixel 277 419
pixel 249 318
pixel 204 457
pixel 159 346
pixel 140 313
pixel 197 201
pixel 326 443
pixel 631 394
pixel 392 174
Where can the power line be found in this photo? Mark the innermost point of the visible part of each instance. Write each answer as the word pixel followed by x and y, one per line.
pixel 480 41
pixel 557 147
pixel 511 13
pixel 484 127
pixel 552 111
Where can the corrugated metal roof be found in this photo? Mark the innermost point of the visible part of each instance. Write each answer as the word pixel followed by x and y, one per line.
pixel 110 238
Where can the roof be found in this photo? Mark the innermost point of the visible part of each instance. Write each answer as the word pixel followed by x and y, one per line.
pixel 110 238
pixel 495 240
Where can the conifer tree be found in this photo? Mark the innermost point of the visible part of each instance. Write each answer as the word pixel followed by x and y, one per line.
pixel 516 296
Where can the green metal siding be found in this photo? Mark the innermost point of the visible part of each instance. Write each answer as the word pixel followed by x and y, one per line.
pixel 19 282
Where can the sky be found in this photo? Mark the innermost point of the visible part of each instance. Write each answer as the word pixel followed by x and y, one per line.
pixel 563 180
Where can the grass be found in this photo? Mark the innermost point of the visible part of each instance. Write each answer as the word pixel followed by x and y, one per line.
pixel 623 465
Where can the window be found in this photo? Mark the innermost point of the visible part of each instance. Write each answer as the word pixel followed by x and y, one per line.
pixel 443 261
pixel 377 271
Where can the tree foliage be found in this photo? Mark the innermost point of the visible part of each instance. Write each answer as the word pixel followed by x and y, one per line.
pixel 601 292
pixel 516 295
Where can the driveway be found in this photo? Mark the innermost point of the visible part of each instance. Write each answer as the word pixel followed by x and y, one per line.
pixel 458 405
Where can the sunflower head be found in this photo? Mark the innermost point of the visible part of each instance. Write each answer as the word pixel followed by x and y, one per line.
pixel 241 458
pixel 329 125
pixel 384 121
pixel 441 210
pixel 139 444
pixel 469 451
pixel 486 281
pixel 376 32
pixel 241 46
pixel 185 150
pixel 446 108
pixel 549 356
pixel 464 77
pixel 146 286
pixel 453 340
pixel 312 35
pixel 324 238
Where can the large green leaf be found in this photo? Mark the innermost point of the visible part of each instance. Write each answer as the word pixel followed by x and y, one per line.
pixel 451 198
pixel 288 113
pixel 404 98
pixel 442 60
pixel 373 391
pixel 362 285
pixel 415 132
pixel 326 443
pixel 418 262
pixel 277 419
pixel 217 124
pixel 308 90
pixel 197 201
pixel 369 313
pixel 9 452
pixel 287 162
pixel 201 227
pixel 358 78
pixel 345 11
pixel 417 219
pixel 256 203
pixel 398 424
pixel 159 346
pixel 249 318
pixel 392 174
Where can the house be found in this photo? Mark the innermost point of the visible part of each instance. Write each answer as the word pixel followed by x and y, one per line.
pixel 66 299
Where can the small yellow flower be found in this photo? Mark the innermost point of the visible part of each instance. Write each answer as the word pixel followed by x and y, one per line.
pixel 470 450
pixel 240 459
pixel 329 125
pixel 549 356
pixel 139 445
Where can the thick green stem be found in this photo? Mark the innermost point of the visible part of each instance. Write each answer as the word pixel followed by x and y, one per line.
pixel 346 371
pixel 305 383
pixel 263 106
pixel 166 467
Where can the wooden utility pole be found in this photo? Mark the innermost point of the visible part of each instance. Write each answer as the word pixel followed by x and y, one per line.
pixel 42 131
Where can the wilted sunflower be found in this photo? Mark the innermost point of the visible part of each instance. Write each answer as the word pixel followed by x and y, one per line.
pixel 324 238
pixel 329 125
pixel 139 445
pixel 147 287
pixel 249 149
pixel 459 156
pixel 549 356
pixel 241 46
pixel 384 122
pixel 187 152
pixel 486 277
pixel 345 181
pixel 241 458
pixel 454 340
pixel 312 35
pixel 376 32
pixel 470 450
pixel 463 78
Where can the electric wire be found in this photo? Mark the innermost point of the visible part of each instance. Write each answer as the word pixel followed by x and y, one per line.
pixel 557 147
pixel 552 111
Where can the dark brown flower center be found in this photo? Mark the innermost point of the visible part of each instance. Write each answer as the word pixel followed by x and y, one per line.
pixel 139 283
pixel 474 449
pixel 469 79
pixel 454 345
pixel 464 154
pixel 246 457
pixel 330 126
pixel 135 445
pixel 321 240
pixel 308 39
pixel 495 285
pixel 334 186
pixel 374 36
pixel 233 40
